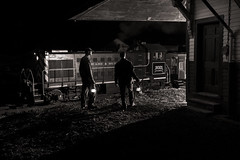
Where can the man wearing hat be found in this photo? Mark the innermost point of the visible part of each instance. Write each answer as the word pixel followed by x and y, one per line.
pixel 88 83
pixel 124 75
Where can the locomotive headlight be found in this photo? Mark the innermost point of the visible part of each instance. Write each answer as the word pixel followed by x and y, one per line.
pixel 93 90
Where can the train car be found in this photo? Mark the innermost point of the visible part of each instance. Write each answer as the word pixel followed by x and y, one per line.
pixel 60 68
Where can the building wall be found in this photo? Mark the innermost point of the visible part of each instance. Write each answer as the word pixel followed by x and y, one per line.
pixel 221 7
pixel 235 25
pixel 231 64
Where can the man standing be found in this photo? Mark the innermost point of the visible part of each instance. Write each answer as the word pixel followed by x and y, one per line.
pixel 124 75
pixel 26 86
pixel 88 83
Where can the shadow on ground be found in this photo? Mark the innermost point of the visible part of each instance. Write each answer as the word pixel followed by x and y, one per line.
pixel 177 134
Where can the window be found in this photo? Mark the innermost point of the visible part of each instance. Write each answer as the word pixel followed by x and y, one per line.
pixel 67 73
pixel 94 59
pixel 95 74
pixel 54 64
pixel 61 68
pixel 58 64
pixel 110 73
pixel 67 63
pixel 60 73
pixel 102 59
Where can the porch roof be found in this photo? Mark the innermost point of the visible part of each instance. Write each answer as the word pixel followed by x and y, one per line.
pixel 132 10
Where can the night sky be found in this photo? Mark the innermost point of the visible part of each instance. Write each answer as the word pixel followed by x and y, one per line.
pixel 37 25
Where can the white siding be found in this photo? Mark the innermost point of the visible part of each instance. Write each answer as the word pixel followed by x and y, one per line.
pixel 191 49
pixel 201 11
pixel 235 26
pixel 221 7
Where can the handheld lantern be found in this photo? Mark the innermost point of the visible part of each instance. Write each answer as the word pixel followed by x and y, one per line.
pixel 93 90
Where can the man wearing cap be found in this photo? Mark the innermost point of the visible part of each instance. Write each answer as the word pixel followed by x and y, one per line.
pixel 88 83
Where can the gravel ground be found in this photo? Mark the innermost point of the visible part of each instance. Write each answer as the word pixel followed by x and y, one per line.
pixel 158 125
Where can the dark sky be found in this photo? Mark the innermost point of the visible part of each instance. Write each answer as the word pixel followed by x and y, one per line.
pixel 31 24
pixel 44 25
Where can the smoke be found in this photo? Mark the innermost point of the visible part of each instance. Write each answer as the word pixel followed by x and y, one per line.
pixel 152 32
pixel 131 30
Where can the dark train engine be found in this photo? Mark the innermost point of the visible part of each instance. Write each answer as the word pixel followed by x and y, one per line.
pixel 57 71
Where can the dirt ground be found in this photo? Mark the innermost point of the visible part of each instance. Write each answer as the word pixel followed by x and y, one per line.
pixel 159 125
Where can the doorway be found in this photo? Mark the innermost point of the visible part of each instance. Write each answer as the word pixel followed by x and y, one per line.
pixel 209 44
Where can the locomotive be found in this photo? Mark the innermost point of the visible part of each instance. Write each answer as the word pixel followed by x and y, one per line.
pixel 59 69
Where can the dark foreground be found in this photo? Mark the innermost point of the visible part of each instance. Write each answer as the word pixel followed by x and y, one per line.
pixel 176 134
pixel 158 127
